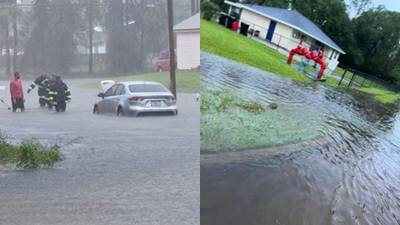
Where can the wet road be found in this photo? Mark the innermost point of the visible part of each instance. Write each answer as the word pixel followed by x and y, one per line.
pixel 348 176
pixel 116 170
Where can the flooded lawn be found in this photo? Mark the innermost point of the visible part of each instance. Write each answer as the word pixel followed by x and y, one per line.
pixel 345 171
pixel 294 119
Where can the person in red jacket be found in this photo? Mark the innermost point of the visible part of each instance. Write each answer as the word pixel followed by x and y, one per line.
pixel 17 93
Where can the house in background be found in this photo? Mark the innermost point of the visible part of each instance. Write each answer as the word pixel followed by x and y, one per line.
pixel 282 28
pixel 188 43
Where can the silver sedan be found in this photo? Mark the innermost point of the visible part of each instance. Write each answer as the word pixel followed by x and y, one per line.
pixel 134 98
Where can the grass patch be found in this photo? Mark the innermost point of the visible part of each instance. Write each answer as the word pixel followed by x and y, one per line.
pixel 218 101
pixel 220 41
pixel 381 95
pixel 217 40
pixel 187 81
pixel 29 154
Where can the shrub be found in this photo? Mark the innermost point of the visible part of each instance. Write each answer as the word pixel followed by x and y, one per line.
pixel 29 154
pixel 208 9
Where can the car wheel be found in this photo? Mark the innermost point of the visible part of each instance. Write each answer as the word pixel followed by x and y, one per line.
pixel 96 110
pixel 120 112
pixel 175 113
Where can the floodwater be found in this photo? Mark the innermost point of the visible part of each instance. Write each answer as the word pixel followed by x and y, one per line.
pixel 349 175
pixel 130 170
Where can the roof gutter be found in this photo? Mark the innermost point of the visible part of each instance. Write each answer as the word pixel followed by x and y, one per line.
pixel 233 4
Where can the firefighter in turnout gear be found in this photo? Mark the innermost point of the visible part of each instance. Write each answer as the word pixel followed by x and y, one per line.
pixel 42 83
pixel 58 94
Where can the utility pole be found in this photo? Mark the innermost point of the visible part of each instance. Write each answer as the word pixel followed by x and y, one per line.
pixel 90 18
pixel 171 38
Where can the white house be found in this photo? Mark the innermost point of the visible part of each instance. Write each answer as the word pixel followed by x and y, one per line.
pixel 284 28
pixel 188 43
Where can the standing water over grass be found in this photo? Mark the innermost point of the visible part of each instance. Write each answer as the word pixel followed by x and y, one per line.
pixel 235 128
pixel 347 171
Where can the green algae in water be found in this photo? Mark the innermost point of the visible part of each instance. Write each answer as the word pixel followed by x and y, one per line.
pixel 253 107
pixel 236 128
pixel 216 101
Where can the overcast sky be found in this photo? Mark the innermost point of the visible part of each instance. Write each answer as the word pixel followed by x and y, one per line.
pixel 393 5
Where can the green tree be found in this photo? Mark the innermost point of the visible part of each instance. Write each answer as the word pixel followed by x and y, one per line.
pixel 377 35
pixel 35 54
pixel 51 45
pixel 208 9
pixel 135 29
pixel 116 36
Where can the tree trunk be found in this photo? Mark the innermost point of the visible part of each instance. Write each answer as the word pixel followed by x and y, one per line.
pixel 15 48
pixel 7 40
pixel 90 18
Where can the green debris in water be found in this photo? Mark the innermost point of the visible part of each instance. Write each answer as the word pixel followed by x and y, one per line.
pixel 29 154
pixel 273 105
pixel 218 101
pixel 253 107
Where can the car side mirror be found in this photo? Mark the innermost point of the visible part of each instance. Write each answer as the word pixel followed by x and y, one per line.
pixel 101 95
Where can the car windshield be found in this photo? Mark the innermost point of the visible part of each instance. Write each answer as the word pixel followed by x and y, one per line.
pixel 147 88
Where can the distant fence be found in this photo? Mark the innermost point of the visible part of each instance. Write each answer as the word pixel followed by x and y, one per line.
pixel 352 77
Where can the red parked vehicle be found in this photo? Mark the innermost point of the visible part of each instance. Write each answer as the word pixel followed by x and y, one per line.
pixel 162 62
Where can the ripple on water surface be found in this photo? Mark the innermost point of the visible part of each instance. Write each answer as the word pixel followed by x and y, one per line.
pixel 293 121
pixel 349 174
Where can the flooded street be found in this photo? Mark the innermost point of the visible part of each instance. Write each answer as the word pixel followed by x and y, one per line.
pixel 142 170
pixel 349 174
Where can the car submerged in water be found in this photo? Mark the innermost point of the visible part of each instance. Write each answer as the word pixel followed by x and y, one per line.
pixel 134 98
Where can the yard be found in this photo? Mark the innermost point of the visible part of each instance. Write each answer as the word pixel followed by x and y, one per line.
pixel 187 81
pixel 220 41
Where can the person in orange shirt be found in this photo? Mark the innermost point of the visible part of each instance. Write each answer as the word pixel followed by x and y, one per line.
pixel 17 93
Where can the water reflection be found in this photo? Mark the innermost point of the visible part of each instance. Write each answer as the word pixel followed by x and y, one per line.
pixel 350 176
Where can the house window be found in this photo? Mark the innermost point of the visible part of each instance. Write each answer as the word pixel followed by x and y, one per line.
pixel 235 12
pixel 332 55
pixel 316 45
pixel 336 55
pixel 297 35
